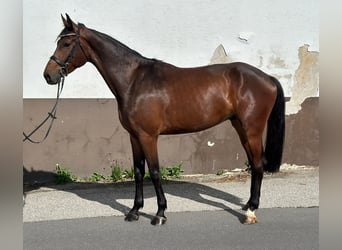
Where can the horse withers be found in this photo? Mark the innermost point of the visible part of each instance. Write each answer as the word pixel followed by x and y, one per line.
pixel 156 98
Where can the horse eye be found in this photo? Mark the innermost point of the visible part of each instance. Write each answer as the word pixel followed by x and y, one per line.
pixel 65 45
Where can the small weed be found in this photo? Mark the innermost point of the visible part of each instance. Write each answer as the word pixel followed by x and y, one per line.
pixel 164 173
pixel 220 172
pixel 116 173
pixel 248 165
pixel 64 175
pixel 128 174
pixel 175 170
pixel 95 177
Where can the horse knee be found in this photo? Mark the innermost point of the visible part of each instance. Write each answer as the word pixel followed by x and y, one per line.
pixel 154 174
pixel 139 175
pixel 258 169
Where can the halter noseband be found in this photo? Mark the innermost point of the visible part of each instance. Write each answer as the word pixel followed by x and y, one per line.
pixel 64 65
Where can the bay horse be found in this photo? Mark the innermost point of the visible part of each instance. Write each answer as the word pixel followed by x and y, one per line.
pixel 156 98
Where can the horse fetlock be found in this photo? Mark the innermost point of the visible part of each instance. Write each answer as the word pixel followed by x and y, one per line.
pixel 252 204
pixel 162 206
pixel 138 203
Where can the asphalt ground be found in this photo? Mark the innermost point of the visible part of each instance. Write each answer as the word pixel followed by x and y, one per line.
pixel 279 228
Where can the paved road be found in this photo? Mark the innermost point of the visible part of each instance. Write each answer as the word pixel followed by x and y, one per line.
pixel 279 228
pixel 201 215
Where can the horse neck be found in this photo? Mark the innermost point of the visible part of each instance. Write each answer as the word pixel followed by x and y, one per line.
pixel 115 61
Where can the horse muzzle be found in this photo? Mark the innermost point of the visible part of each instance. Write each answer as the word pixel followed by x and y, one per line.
pixel 52 79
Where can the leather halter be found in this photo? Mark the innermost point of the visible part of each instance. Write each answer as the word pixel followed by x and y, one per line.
pixel 64 65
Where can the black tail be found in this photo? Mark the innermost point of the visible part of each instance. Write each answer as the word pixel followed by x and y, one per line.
pixel 275 132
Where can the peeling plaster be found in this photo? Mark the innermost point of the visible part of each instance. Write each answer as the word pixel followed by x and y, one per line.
pixel 306 79
pixel 220 56
pixel 277 62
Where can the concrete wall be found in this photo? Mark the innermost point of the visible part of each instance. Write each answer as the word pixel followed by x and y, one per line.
pixel 279 37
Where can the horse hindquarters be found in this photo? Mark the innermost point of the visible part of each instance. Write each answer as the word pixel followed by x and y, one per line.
pixel 262 105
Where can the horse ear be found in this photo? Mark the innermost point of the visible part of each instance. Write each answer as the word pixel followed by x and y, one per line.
pixel 68 23
pixel 64 21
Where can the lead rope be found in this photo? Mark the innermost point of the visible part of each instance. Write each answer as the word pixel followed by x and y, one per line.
pixel 51 114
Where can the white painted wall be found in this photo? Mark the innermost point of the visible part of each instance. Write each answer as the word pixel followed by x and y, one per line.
pixel 182 32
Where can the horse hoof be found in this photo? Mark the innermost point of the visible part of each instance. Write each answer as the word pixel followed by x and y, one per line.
pixel 250 217
pixel 131 217
pixel 250 220
pixel 158 221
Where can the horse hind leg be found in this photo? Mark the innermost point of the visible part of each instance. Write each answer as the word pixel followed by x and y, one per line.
pixel 251 140
pixel 256 149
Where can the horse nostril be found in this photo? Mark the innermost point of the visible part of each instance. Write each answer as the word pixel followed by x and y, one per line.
pixel 47 77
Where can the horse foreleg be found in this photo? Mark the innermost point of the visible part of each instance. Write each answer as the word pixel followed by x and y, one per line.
pixel 139 173
pixel 149 144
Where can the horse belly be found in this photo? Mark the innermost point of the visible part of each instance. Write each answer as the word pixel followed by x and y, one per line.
pixel 194 116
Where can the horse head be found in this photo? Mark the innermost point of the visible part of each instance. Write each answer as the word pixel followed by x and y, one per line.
pixel 69 54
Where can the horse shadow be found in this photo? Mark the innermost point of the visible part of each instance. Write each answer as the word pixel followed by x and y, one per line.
pixel 111 194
